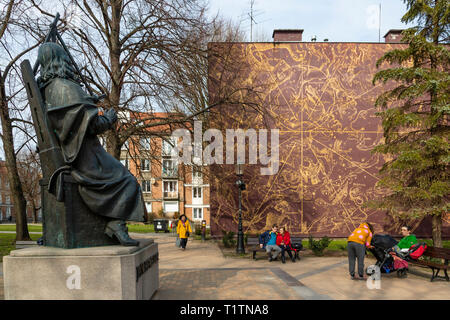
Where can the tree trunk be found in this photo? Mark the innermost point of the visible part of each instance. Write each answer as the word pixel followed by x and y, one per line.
pixel 436 223
pixel 19 202
pixel 35 219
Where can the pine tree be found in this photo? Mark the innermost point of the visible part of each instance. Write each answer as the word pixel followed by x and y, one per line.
pixel 415 118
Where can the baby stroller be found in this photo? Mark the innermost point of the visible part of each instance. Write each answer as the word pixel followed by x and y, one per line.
pixel 382 245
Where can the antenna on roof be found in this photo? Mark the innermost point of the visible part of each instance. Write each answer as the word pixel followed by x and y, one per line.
pixel 379 25
pixel 251 15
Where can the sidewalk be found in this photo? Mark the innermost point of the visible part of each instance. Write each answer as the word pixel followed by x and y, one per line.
pixel 202 272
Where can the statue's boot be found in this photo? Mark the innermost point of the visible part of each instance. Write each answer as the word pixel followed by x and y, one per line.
pixel 118 229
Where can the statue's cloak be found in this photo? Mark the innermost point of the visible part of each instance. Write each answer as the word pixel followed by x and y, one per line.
pixel 105 185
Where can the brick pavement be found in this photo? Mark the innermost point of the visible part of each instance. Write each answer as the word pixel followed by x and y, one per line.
pixel 202 272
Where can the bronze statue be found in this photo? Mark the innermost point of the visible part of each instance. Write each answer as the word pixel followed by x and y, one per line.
pixel 105 186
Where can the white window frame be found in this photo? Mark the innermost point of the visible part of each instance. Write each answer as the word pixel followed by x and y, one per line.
pixel 174 190
pixel 171 203
pixel 168 148
pixel 199 210
pixel 149 204
pixel 144 167
pixel 174 167
pixel 125 145
pixel 144 143
pixel 125 162
pixel 146 186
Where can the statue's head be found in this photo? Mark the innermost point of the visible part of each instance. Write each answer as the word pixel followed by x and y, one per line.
pixel 55 63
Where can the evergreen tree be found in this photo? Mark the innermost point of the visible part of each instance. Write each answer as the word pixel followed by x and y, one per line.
pixel 415 118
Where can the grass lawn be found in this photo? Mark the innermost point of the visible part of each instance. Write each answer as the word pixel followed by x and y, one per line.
pixel 141 228
pixel 7 243
pixel 12 227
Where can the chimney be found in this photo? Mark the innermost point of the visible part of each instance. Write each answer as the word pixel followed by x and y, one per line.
pixel 393 36
pixel 283 35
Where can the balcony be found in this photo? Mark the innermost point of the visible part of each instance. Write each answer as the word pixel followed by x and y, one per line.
pixel 170 173
pixel 170 194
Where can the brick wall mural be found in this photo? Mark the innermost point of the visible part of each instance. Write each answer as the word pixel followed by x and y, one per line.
pixel 321 98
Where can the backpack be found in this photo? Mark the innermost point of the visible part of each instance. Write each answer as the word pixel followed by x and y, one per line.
pixel 416 250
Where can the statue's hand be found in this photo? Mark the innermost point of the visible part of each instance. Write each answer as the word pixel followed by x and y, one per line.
pixel 111 115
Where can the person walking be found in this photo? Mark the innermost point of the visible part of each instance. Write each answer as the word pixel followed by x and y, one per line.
pixel 284 242
pixel 356 246
pixel 183 231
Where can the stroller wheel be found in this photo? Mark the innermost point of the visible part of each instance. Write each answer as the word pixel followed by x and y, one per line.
pixel 370 270
pixel 401 273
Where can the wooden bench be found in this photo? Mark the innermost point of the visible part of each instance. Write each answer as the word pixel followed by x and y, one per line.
pixel 253 243
pixel 433 252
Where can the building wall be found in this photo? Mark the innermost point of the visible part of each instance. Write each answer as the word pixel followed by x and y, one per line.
pixel 321 98
pixel 6 200
pixel 158 177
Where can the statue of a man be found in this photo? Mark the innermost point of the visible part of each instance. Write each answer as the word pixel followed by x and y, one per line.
pixel 105 185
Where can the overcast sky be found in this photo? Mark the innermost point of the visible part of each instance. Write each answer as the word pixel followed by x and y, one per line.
pixel 337 20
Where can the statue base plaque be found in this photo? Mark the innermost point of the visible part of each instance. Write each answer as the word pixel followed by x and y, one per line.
pixel 97 273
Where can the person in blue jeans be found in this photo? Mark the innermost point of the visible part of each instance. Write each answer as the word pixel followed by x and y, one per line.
pixel 268 241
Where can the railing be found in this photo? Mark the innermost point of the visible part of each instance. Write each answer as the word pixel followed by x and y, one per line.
pixel 170 173
pixel 170 194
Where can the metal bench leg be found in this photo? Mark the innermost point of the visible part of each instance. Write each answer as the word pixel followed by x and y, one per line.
pixel 434 275
pixel 254 255
pixel 446 275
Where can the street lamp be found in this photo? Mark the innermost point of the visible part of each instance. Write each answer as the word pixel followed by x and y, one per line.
pixel 241 186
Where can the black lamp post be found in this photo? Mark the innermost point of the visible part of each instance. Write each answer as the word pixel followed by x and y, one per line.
pixel 241 186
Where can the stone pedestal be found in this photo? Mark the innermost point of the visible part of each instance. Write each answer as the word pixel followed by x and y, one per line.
pixel 97 273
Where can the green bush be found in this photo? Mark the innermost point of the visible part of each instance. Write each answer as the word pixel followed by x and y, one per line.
pixel 198 229
pixel 318 246
pixel 150 217
pixel 228 239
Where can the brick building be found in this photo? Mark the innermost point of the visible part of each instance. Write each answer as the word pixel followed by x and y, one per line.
pixel 169 188
pixel 7 213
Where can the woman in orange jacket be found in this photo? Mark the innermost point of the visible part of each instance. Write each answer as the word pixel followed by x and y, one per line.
pixel 183 230
pixel 356 246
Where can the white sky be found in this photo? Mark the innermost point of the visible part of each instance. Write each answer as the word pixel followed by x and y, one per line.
pixel 337 20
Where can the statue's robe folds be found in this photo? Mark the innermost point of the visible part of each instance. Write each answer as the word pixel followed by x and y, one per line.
pixel 105 185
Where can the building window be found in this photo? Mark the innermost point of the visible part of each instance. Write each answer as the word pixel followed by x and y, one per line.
pixel 148 207
pixel 144 143
pixel 146 186
pixel 170 206
pixel 168 146
pixel 170 189
pixel 197 213
pixel 197 192
pixel 124 146
pixel 169 168
pixel 8 212
pixel 196 172
pixel 124 162
pixel 102 141
pixel 145 164
pixel 8 200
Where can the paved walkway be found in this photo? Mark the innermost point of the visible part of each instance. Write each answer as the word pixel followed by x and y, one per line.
pixel 202 272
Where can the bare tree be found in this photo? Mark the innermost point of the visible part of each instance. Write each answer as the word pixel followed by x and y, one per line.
pixel 30 173
pixel 13 47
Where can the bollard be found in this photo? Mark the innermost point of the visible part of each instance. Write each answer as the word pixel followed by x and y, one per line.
pixel 203 230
